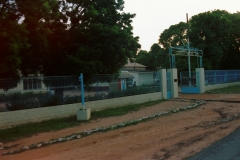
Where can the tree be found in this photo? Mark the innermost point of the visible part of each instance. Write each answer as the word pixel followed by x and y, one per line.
pixel 156 57
pixel 175 35
pixel 65 37
pixel 230 59
pixel 210 32
pixel 100 36
pixel 25 30
pixel 12 39
pixel 46 26
pixel 214 32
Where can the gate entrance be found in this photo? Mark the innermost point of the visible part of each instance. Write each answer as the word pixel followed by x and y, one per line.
pixel 190 81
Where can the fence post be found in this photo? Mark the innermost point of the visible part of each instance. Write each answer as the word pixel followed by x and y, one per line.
pixel 215 77
pixel 235 76
pixel 181 79
pixel 82 89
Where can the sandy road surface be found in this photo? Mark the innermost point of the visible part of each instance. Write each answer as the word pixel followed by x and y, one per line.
pixel 175 136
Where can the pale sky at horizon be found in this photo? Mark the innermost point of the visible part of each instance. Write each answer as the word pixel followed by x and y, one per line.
pixel 154 16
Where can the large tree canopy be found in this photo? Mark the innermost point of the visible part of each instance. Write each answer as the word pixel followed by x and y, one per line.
pixel 12 39
pixel 64 37
pixel 210 32
pixel 231 59
pixel 175 35
pixel 25 28
pixel 103 40
pixel 214 32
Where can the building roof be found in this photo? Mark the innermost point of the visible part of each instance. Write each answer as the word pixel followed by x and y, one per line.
pixel 134 65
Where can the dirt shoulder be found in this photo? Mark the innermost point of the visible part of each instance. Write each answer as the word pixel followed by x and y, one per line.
pixel 175 136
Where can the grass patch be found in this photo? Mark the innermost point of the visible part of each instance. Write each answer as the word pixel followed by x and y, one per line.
pixel 230 89
pixel 122 110
pixel 27 130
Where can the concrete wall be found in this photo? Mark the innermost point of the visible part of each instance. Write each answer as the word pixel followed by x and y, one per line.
pixel 9 119
pixel 216 86
pixel 200 78
pixel 145 78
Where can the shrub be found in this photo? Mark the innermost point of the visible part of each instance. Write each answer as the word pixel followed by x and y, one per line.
pixel 72 99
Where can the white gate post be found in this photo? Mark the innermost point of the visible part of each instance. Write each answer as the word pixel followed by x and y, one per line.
pixel 201 79
pixel 173 82
pixel 163 82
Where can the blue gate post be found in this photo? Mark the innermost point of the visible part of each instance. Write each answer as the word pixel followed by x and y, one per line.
pixel 82 89
pixel 235 76
pixel 83 114
pixel 181 79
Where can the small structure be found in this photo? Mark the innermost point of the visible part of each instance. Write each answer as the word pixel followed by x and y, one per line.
pixel 133 74
pixel 140 75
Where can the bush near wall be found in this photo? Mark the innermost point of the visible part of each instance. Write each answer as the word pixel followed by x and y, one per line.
pixel 20 101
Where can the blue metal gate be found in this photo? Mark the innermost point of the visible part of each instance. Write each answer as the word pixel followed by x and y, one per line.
pixel 190 84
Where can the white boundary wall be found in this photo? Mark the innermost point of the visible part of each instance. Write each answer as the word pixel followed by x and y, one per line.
pixel 13 118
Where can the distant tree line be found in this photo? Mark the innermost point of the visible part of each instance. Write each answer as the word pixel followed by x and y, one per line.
pixel 216 32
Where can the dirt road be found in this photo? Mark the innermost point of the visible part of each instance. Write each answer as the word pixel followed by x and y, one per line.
pixel 174 136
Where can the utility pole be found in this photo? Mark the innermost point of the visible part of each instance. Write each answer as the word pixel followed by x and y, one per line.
pixel 189 62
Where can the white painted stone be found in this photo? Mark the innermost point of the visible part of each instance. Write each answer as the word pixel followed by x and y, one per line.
pixel 25 148
pixel 1 145
pixel 39 145
pixel 4 153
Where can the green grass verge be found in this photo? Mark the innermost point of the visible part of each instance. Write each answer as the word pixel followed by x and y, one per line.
pixel 27 130
pixel 226 90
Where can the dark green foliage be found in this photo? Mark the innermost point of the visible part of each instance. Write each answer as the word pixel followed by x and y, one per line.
pixel 35 37
pixel 52 101
pixel 24 30
pixel 8 83
pixel 210 32
pixel 20 101
pixel 103 41
pixel 175 35
pixel 72 99
pixel 156 57
pixel 215 32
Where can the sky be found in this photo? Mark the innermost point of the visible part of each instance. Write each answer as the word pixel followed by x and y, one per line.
pixel 154 16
